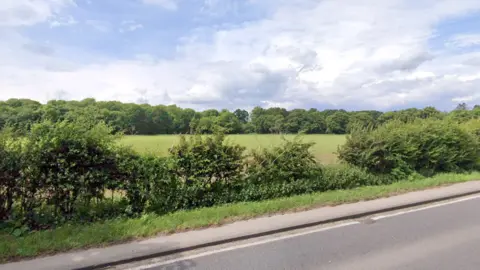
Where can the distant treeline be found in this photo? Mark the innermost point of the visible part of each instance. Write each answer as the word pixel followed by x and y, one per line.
pixel 144 119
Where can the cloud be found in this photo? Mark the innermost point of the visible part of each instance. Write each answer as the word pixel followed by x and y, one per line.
pixel 63 21
pixel 39 49
pixel 102 26
pixel 129 26
pixel 27 12
pixel 355 54
pixel 464 40
pixel 166 4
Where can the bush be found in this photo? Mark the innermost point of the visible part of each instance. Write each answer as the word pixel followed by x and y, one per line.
pixel 10 171
pixel 145 181
pixel 284 170
pixel 61 172
pixel 473 126
pixel 65 163
pixel 400 149
pixel 205 159
pixel 348 177
pixel 290 161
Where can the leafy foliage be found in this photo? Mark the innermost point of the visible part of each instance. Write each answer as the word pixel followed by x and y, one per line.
pixel 423 146
pixel 10 171
pixel 145 180
pixel 287 162
pixel 206 159
pixel 72 170
pixel 347 177
pixel 65 163
pixel 144 119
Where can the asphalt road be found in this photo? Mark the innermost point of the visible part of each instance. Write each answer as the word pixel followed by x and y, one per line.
pixel 441 237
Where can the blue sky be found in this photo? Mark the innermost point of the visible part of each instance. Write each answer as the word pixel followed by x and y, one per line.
pixel 353 54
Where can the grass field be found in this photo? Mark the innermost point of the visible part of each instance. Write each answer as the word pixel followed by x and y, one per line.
pixel 324 148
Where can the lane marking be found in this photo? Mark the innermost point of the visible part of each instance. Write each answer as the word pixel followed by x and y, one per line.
pixel 425 208
pixel 143 267
pixel 212 252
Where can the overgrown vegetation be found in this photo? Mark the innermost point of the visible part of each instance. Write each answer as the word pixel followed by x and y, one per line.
pixel 78 236
pixel 70 173
pixel 74 172
pixel 422 146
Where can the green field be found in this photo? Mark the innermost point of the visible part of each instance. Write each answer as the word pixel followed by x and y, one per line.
pixel 324 148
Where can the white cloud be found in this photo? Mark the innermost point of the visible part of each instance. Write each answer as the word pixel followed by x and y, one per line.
pixel 129 26
pixel 465 40
pixel 102 26
pixel 63 21
pixel 167 4
pixel 352 53
pixel 27 12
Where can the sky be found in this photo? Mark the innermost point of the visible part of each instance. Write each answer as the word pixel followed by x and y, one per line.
pixel 351 54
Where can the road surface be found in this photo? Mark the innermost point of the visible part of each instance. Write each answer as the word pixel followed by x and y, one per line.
pixel 445 236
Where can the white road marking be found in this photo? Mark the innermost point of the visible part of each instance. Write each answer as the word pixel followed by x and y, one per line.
pixel 208 253
pixel 243 246
pixel 425 207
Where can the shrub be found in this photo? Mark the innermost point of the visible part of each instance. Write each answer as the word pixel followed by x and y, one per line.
pixel 10 169
pixel 145 180
pixel 424 146
pixel 473 126
pixel 348 177
pixel 205 159
pixel 290 161
pixel 66 162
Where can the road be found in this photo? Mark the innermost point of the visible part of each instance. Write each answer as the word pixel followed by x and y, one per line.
pixel 445 236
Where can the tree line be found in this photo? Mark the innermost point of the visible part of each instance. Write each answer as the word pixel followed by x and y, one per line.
pixel 145 119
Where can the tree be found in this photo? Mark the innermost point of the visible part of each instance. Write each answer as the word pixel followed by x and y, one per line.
pixel 296 121
pixel 274 123
pixel 384 118
pixel 430 112
pixel 361 120
pixel 460 115
pixel 139 119
pixel 242 115
pixel 337 122
pixel 258 120
pixel 132 118
pixel 228 123
pixel 211 112
pixel 316 123
pixel 205 125
pixel 55 110
pixel 161 120
pixel 408 115
pixel 181 119
pixel 461 107
pixel 476 111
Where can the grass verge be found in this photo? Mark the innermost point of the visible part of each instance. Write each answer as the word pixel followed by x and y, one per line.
pixel 72 237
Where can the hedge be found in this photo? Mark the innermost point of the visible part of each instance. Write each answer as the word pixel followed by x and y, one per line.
pixel 75 172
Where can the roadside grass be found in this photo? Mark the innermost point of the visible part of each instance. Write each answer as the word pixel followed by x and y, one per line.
pixel 71 237
pixel 323 150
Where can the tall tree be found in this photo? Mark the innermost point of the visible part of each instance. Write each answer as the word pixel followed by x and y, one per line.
pixel 337 122
pixel 228 123
pixel 242 115
pixel 360 120
pixel 462 107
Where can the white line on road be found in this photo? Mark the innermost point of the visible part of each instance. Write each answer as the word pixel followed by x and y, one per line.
pixel 425 207
pixel 143 267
